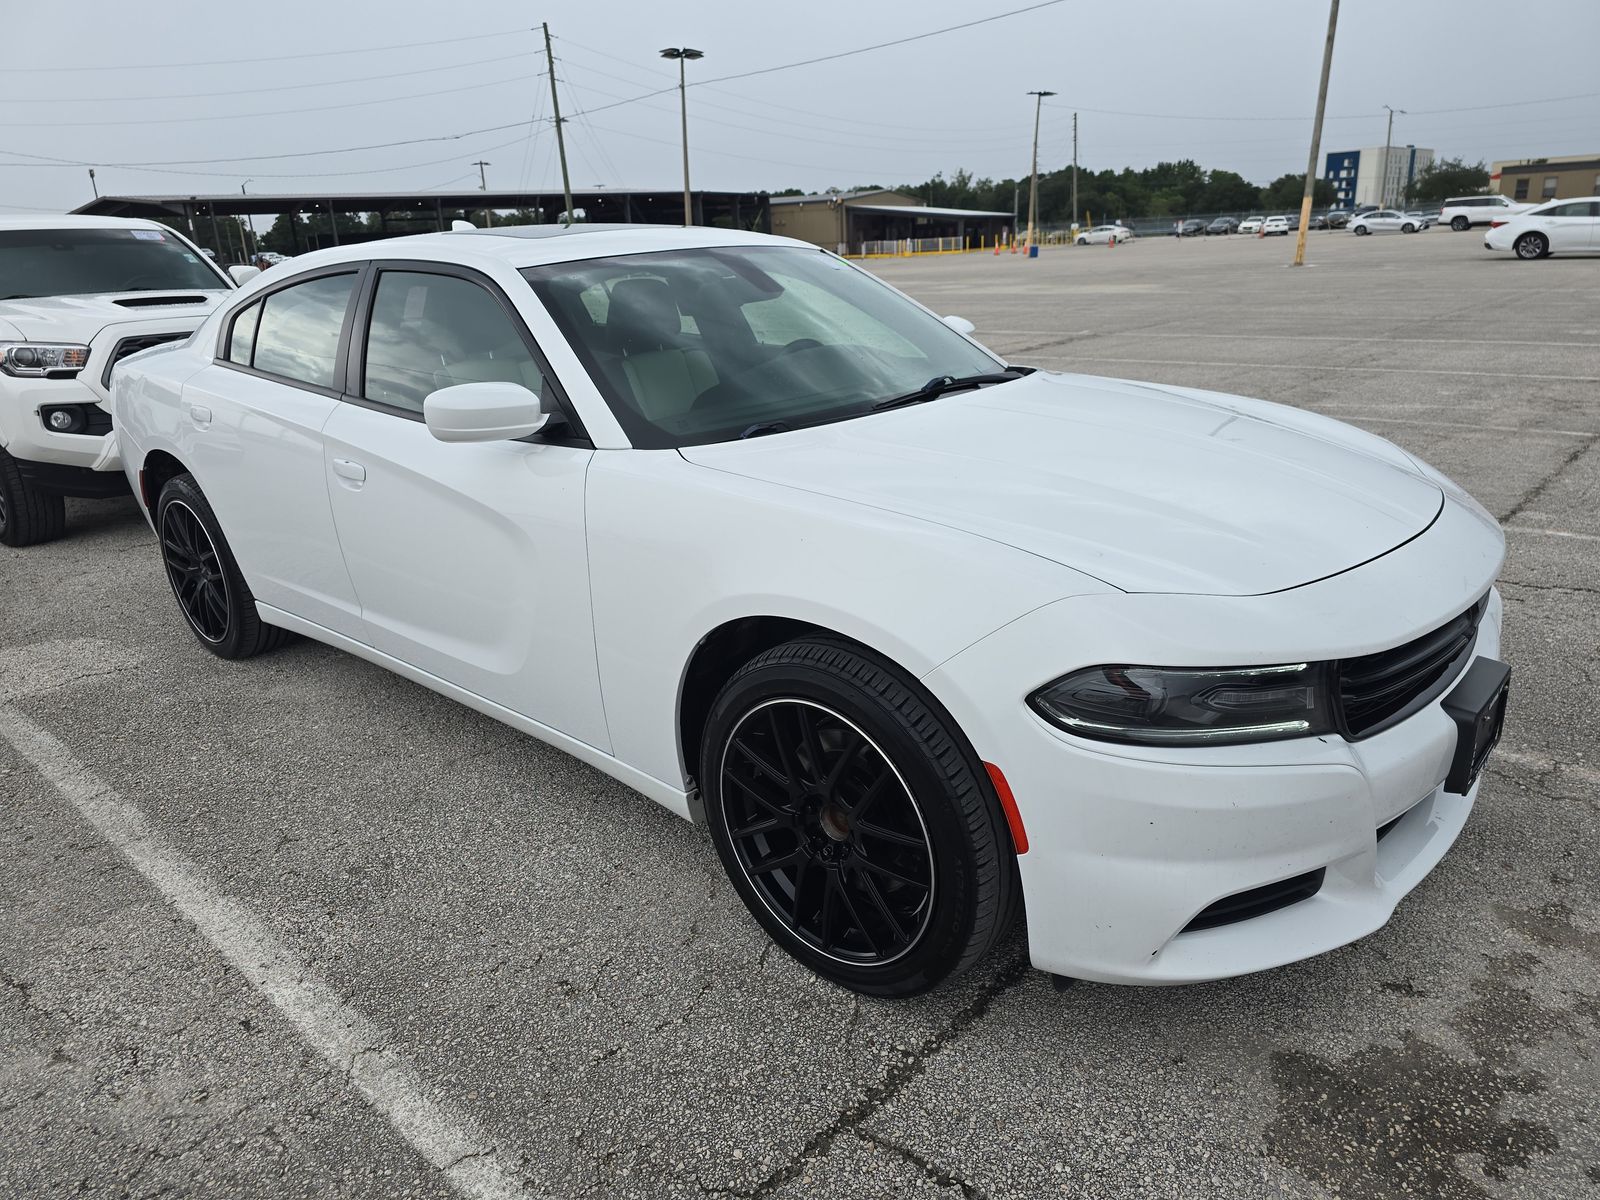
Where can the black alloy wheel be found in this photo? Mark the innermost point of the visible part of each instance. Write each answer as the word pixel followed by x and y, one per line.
pixel 195 571
pixel 205 578
pixel 1460 224
pixel 826 832
pixel 857 825
pixel 1531 246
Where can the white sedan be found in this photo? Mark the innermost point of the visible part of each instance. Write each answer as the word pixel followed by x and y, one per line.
pixel 921 637
pixel 1559 227
pixel 1100 235
pixel 1387 220
pixel 1251 224
pixel 1273 226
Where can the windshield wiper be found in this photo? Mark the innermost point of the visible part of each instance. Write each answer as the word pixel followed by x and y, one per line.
pixel 939 385
pixel 762 428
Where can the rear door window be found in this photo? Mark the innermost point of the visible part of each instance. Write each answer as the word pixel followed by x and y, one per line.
pixel 298 335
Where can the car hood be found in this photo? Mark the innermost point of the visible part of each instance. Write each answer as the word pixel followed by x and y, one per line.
pixel 1145 488
pixel 79 318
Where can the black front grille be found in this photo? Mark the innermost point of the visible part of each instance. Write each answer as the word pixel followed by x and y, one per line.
pixel 1382 689
pixel 1258 902
pixel 132 345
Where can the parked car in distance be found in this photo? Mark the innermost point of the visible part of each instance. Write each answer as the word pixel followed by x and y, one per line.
pixel 1221 225
pixel 1386 220
pixel 1361 210
pixel 1101 234
pixel 1556 227
pixel 1338 218
pixel 1426 218
pixel 77 295
pixel 1317 221
pixel 1275 225
pixel 1251 225
pixel 1193 227
pixel 630 490
pixel 1463 212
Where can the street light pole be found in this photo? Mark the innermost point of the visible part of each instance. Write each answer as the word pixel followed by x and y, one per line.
pixel 1074 220
pixel 1033 183
pixel 93 184
pixel 1316 140
pixel 684 54
pixel 1388 149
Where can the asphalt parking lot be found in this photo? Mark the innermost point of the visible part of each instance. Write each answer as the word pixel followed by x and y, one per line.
pixel 257 919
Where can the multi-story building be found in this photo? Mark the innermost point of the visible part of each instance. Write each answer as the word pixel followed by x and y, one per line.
pixel 1375 174
pixel 1535 180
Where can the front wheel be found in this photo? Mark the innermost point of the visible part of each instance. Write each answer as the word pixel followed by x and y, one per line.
pixel 855 823
pixel 1460 224
pixel 205 579
pixel 27 515
pixel 1408 228
pixel 1362 231
pixel 1531 246
pixel 1083 241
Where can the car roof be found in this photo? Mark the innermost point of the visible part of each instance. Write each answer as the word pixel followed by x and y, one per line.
pixel 64 221
pixel 535 245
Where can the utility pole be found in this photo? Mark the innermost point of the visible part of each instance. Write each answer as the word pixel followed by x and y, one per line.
pixel 249 219
pixel 1388 149
pixel 555 107
pixel 1316 140
pixel 483 180
pixel 1033 184
pixel 1074 220
pixel 683 54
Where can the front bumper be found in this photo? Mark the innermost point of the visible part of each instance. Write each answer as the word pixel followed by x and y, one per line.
pixel 26 438
pixel 1129 844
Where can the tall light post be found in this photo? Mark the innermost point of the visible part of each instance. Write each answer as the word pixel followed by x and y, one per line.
pixel 683 54
pixel 93 184
pixel 1033 183
pixel 249 220
pixel 1388 149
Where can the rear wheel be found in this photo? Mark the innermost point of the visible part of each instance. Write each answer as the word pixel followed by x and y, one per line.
pixel 1362 231
pixel 1531 245
pixel 1408 228
pixel 855 823
pixel 27 515
pixel 205 579
pixel 1460 224
pixel 1083 241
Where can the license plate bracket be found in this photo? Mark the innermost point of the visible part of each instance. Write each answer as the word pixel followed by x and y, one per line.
pixel 1477 705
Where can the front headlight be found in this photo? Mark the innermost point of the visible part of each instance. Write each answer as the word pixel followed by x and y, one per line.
pixel 1186 706
pixel 42 359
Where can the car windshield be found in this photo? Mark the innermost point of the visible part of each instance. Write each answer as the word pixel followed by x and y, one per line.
pixel 82 262
pixel 706 345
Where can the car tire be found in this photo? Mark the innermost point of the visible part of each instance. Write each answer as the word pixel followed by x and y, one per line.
pixel 1362 231
pixel 1460 224
pixel 27 515
pixel 798 743
pixel 1531 246
pixel 1083 241
pixel 205 578
pixel 1408 228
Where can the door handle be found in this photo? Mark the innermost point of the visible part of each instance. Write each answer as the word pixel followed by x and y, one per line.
pixel 353 471
pixel 199 414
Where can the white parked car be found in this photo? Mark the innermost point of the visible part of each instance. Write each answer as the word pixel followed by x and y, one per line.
pixel 1559 227
pixel 903 625
pixel 1463 212
pixel 1387 220
pixel 1275 225
pixel 1251 224
pixel 1100 235
pixel 77 295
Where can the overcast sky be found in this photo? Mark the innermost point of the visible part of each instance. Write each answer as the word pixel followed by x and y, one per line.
pixel 1230 85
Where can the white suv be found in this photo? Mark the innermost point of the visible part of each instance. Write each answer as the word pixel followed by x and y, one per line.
pixel 77 295
pixel 1463 212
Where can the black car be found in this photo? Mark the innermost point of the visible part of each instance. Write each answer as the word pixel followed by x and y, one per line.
pixel 1222 225
pixel 1338 218
pixel 1193 227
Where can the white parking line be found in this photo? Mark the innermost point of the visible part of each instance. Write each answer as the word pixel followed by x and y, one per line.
pixel 1560 533
pixel 1357 415
pixel 350 1041
pixel 1184 362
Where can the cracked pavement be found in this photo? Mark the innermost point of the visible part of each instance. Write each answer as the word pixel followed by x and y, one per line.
pixel 563 961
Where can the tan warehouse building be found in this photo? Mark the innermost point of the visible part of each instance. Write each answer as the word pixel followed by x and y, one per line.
pixel 870 222
pixel 1535 180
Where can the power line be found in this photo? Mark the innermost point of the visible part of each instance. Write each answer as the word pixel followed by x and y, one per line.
pixel 288 87
pixel 1369 116
pixel 233 62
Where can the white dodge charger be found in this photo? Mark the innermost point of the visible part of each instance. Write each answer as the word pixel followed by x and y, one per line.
pixel 1202 683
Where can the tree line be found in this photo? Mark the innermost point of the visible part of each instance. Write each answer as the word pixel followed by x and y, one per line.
pixel 1168 189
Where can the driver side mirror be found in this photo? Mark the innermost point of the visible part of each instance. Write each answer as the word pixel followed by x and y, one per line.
pixel 242 274
pixel 960 324
pixel 484 412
